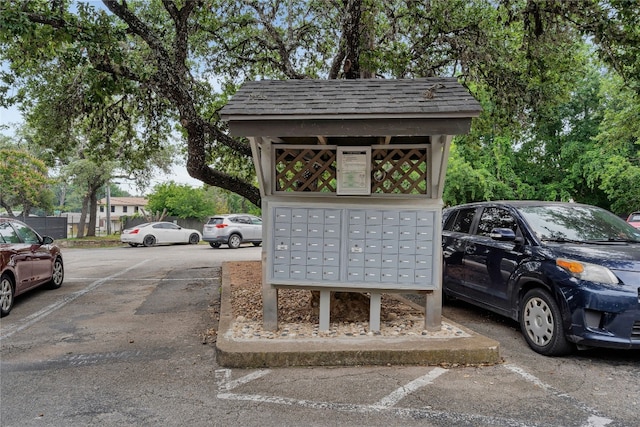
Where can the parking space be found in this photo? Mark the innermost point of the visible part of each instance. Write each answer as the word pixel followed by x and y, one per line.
pixel 124 342
pixel 502 395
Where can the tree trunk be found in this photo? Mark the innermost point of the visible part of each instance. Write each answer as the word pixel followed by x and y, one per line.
pixel 83 216
pixel 7 207
pixel 93 212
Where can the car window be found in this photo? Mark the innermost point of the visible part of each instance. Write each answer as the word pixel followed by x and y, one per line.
pixel 240 220
pixel 449 218
pixel 493 217
pixel 166 226
pixel 256 221
pixel 460 221
pixel 215 221
pixel 26 234
pixel 581 223
pixel 8 234
pixel 634 217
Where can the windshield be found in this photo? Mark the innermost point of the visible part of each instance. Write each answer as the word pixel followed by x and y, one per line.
pixel 577 223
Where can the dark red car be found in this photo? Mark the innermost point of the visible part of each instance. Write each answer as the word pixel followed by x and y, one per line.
pixel 27 261
pixel 634 219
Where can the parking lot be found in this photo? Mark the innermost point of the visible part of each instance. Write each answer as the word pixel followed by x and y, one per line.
pixel 127 340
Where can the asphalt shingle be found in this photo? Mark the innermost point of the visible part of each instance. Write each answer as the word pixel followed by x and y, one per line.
pixel 410 97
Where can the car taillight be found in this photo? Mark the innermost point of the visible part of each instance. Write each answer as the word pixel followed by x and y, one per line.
pixel 135 231
pixel 221 225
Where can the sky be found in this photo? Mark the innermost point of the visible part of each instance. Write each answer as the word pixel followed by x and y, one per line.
pixel 12 118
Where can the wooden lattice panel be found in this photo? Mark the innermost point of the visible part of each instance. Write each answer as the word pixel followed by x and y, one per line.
pixel 393 170
pixel 306 169
pixel 399 170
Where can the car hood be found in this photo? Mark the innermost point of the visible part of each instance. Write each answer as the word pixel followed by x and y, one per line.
pixel 616 256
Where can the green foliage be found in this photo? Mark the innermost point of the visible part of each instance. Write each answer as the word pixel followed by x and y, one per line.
pixel 613 162
pixel 116 83
pixel 180 200
pixel 227 202
pixel 23 182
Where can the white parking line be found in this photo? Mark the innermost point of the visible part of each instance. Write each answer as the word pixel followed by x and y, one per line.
pixel 384 405
pixel 595 420
pixel 39 315
pixel 224 378
pixel 82 279
pixel 400 393
pixel 387 404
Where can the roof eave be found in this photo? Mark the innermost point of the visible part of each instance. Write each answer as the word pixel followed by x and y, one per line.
pixel 298 117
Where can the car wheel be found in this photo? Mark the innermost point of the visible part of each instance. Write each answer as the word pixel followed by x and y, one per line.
pixel 57 275
pixel 541 324
pixel 256 243
pixel 234 241
pixel 194 239
pixel 149 240
pixel 6 294
pixel 214 245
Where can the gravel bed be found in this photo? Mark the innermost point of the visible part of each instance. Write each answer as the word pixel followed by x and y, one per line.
pixel 298 320
pixel 406 327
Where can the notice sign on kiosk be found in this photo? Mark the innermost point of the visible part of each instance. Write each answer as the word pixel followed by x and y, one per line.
pixel 354 170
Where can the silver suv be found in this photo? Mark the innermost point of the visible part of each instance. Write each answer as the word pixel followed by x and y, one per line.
pixel 233 230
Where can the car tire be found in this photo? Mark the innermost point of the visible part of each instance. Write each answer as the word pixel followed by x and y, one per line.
pixel 194 239
pixel 214 245
pixel 133 245
pixel 234 241
pixel 256 243
pixel 149 240
pixel 541 324
pixel 7 290
pixel 57 276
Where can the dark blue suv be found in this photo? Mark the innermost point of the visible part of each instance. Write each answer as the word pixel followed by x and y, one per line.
pixel 568 273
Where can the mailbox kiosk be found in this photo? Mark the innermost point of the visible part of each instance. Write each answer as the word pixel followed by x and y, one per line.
pixel 351 174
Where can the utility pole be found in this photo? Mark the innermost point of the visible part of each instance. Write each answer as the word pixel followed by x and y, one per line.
pixel 108 208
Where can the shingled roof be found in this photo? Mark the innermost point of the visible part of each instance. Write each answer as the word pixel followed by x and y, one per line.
pixel 323 107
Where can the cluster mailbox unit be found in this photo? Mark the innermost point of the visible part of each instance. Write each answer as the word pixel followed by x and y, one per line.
pixel 351 174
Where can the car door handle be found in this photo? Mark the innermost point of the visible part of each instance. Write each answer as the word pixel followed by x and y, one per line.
pixel 470 249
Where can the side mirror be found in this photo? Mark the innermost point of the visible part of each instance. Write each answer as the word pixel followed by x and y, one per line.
pixel 503 234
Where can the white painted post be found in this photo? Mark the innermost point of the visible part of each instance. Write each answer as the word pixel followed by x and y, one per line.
pixel 325 309
pixel 374 311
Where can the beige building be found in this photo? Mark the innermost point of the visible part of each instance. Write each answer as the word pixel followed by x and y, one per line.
pixel 117 208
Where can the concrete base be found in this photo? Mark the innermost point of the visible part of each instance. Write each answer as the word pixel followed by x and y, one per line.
pixel 473 349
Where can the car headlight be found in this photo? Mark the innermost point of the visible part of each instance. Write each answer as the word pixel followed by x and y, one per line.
pixel 586 271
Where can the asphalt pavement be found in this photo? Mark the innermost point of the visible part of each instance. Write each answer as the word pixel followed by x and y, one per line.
pixel 128 340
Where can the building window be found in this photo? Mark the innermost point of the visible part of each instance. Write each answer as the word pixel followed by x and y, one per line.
pixel 135 209
pixel 124 209
pixel 113 209
pixel 101 208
